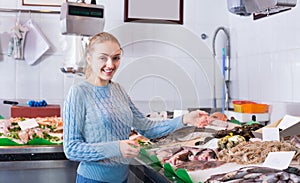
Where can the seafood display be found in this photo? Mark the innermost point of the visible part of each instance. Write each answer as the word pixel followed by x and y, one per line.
pixel 230 141
pixel 200 165
pixel 256 174
pixel 218 146
pixel 218 121
pixel 182 135
pixel 143 141
pixel 255 152
pixel 218 116
pixel 222 146
pixel 190 132
pixel 48 128
pixel 191 154
pixel 189 158
pixel 294 140
pixel 245 131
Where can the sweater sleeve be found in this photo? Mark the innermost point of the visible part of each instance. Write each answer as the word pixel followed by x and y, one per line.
pixel 150 128
pixel 75 147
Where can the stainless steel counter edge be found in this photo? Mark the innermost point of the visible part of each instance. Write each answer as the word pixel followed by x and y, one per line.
pixel 153 175
pixel 31 149
pixel 24 165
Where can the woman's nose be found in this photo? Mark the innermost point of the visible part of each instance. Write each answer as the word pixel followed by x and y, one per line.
pixel 109 62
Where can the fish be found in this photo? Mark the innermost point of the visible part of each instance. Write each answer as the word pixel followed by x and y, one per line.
pixel 255 174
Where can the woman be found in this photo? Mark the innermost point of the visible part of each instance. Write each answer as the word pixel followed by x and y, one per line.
pixel 99 114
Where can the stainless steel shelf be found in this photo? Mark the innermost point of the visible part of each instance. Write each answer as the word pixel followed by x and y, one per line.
pixel 28 11
pixel 58 171
pixel 30 149
pixel 24 165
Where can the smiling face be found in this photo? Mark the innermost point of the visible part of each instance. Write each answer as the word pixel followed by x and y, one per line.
pixel 103 58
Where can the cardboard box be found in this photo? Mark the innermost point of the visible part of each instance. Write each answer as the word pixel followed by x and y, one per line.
pixel 288 126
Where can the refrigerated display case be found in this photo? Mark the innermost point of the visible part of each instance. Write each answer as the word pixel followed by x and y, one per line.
pixel 40 164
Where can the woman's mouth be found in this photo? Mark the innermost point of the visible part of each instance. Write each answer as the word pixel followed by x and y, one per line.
pixel 108 71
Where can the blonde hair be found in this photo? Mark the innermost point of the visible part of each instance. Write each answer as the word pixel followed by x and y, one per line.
pixel 96 39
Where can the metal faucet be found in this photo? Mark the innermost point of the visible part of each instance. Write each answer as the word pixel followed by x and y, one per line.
pixel 227 67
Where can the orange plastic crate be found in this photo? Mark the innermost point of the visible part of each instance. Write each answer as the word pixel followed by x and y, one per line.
pixel 249 107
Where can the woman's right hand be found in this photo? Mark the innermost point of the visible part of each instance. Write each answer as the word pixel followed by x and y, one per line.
pixel 196 118
pixel 129 148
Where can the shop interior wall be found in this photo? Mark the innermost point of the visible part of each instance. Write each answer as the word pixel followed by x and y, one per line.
pixel 265 61
pixel 265 57
pixel 44 80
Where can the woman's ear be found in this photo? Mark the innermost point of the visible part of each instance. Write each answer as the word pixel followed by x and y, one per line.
pixel 88 58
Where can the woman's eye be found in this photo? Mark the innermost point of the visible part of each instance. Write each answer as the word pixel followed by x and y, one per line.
pixel 116 58
pixel 103 59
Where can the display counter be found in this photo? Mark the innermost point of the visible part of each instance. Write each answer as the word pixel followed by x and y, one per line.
pixel 141 172
pixel 37 161
pixel 27 164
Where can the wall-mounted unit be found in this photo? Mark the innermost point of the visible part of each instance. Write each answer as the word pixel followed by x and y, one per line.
pixel 268 6
pixel 264 7
pixel 81 19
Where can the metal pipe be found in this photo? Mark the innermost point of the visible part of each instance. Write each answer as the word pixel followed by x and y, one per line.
pixel 227 43
pixel 227 68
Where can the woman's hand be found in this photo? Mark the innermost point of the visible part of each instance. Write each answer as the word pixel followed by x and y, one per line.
pixel 196 118
pixel 129 148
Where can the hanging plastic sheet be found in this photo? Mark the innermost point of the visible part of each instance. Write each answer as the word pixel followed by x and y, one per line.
pixel 36 43
pixel 16 43
pixel 74 48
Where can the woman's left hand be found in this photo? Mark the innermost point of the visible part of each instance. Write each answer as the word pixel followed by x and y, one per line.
pixel 129 148
pixel 196 118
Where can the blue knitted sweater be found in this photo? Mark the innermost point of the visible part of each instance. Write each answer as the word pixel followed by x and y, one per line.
pixel 96 118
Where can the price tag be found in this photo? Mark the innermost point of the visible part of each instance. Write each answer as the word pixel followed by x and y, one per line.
pixel 279 160
pixel 288 121
pixel 29 123
pixel 179 113
pixel 270 134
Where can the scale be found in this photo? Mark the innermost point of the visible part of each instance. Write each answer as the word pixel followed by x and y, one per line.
pixel 81 19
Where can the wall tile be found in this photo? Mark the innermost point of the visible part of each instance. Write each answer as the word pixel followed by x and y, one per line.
pixel 265 77
pixel 53 35
pixel 294 62
pixel 169 50
pixel 264 55
pixel 27 81
pixel 8 4
pixel 114 10
pixel 200 83
pixel 51 81
pixel 242 84
pixel 143 48
pixel 254 77
pixel 8 78
pixel 6 24
pixel 282 77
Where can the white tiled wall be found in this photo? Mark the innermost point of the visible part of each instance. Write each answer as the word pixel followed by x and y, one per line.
pixel 265 57
pixel 45 81
pixel 266 61
pixel 21 81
